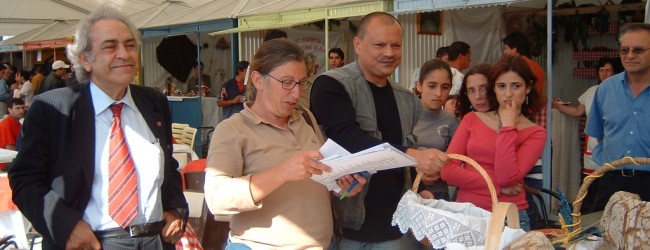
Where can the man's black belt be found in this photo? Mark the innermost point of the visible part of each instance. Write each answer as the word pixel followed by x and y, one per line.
pixel 132 231
pixel 628 172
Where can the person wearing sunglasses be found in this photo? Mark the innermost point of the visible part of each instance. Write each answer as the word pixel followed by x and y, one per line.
pixel 606 67
pixel 619 118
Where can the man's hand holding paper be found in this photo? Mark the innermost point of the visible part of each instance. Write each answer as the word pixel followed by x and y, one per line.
pixel 429 161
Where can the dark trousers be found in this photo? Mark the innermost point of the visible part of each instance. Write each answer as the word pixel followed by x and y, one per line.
pixel 614 181
pixel 153 242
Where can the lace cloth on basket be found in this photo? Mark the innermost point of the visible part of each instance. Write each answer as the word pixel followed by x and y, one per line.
pixel 441 221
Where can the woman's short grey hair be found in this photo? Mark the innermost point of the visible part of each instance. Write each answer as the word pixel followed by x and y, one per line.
pixel 83 45
pixel 270 55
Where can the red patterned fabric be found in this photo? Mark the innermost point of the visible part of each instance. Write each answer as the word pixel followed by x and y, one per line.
pixel 123 179
pixel 189 241
pixel 585 72
pixel 613 30
pixel 540 118
pixel 593 55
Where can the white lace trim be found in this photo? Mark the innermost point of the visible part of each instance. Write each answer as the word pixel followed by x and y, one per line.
pixel 441 221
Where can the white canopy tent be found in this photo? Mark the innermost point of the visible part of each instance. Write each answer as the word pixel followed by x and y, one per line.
pixel 21 16
pixel 58 34
pixel 56 29
pixel 129 7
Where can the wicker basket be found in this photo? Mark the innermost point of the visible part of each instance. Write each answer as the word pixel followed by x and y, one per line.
pixel 500 210
pixel 567 236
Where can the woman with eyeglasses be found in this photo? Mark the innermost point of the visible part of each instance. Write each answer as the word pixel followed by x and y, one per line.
pixel 473 91
pixel 605 68
pixel 261 159
pixel 505 142
pixel 435 127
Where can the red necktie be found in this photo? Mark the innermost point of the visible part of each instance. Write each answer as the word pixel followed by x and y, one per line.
pixel 123 179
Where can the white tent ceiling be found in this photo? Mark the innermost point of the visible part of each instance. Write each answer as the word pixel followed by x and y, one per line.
pixel 19 16
pixel 127 6
pixel 287 5
pixel 42 33
pixel 213 10
pixel 226 9
pixel 65 29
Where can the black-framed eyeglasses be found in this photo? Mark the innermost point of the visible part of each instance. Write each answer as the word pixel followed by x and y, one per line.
pixel 624 51
pixel 290 84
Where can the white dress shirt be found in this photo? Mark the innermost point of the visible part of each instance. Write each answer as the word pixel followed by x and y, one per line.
pixel 456 81
pixel 145 151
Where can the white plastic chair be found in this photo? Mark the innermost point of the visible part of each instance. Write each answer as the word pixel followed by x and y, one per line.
pixel 177 130
pixel 189 135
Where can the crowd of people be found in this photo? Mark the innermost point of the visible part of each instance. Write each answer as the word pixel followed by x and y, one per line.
pixel 95 169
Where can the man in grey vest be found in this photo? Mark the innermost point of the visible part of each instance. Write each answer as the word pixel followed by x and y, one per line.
pixel 358 106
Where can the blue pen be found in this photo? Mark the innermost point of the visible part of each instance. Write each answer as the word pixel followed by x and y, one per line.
pixel 365 175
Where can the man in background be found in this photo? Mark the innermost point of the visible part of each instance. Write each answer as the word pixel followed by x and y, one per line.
pixel 460 55
pixel 56 78
pixel 193 85
pixel 619 118
pixel 442 53
pixel 232 95
pixel 337 58
pixel 37 79
pixel 26 91
pixel 517 44
pixel 4 86
pixel 10 125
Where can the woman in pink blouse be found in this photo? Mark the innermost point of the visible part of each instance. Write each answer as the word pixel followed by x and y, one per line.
pixel 505 142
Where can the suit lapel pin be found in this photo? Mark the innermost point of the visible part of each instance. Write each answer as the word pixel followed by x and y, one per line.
pixel 159 124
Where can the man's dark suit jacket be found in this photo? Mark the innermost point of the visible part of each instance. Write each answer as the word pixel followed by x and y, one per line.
pixel 52 174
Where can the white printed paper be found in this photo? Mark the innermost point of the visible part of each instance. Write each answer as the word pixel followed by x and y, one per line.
pixel 377 158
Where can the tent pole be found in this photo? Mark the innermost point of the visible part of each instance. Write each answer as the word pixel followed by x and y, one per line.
pixel 239 47
pixel 198 64
pixel 327 43
pixel 547 176
pixel 647 12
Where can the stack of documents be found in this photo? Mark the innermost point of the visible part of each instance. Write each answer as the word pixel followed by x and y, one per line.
pixel 342 162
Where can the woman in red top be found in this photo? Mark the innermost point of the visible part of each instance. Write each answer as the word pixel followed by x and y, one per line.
pixel 505 142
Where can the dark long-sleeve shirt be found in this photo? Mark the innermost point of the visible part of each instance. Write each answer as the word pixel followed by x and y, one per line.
pixel 333 108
